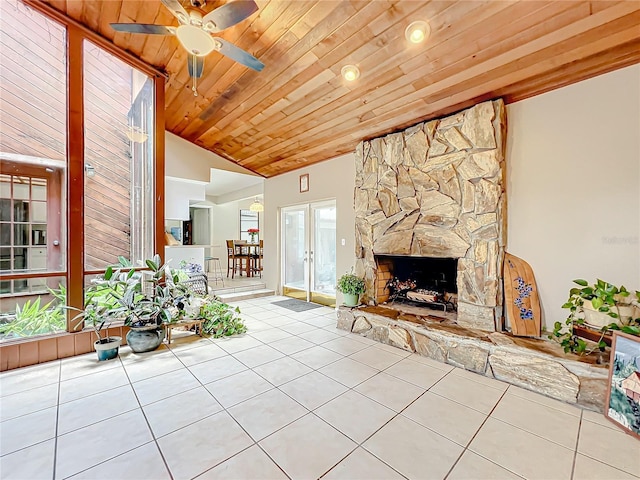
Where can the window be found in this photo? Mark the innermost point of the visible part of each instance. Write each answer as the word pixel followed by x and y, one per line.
pixel 29 227
pixel 103 188
pixel 118 151
pixel 248 219
pixel 33 133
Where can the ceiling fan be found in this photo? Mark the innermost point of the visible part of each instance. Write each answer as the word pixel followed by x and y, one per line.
pixel 194 33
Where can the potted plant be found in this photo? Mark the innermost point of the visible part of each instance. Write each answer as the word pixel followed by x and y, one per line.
pixel 351 287
pixel 146 301
pixel 601 306
pixel 142 300
pixel 601 303
pixel 99 312
pixel 253 232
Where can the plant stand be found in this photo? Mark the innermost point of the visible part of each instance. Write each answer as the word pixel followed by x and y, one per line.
pixel 187 323
pixel 591 334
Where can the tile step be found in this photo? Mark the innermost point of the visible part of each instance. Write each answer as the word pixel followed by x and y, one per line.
pixel 245 295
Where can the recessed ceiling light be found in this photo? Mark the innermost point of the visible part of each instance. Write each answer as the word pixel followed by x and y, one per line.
pixel 350 73
pixel 417 32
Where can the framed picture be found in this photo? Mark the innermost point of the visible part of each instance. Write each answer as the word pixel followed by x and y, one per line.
pixel 304 183
pixel 623 390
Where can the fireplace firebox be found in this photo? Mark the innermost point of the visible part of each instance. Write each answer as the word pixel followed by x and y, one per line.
pixel 420 281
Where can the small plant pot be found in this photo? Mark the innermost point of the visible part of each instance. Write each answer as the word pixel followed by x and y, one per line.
pixel 107 350
pixel 351 299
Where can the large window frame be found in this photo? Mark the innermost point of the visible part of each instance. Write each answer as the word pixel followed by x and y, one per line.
pixel 75 271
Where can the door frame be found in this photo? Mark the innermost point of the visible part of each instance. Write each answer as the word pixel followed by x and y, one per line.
pixel 308 208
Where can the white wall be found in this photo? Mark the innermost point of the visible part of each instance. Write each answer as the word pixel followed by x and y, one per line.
pixel 333 179
pixel 225 225
pixel 178 192
pixel 184 159
pixel 573 190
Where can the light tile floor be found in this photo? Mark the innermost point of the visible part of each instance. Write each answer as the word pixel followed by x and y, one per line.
pixel 293 398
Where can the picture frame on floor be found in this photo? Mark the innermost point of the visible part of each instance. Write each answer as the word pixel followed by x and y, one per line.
pixel 622 405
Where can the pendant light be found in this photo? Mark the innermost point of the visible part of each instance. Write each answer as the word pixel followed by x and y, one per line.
pixel 256 206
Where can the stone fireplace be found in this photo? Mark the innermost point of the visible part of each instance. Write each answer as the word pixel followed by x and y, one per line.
pixel 436 190
pixel 430 221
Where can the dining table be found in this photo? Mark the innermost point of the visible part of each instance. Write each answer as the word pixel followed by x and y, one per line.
pixel 252 250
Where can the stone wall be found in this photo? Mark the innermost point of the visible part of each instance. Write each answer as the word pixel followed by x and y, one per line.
pixel 436 189
pixel 543 369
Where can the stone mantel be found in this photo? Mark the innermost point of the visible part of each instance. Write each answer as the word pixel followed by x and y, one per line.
pixel 437 190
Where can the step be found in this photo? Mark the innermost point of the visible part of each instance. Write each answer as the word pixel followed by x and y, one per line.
pixel 237 289
pixel 245 295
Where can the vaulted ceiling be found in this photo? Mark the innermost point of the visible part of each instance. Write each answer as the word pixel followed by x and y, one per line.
pixel 299 110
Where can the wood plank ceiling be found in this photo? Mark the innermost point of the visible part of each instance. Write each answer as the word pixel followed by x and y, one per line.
pixel 300 111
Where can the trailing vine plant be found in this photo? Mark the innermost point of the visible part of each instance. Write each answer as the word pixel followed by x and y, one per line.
pixel 605 298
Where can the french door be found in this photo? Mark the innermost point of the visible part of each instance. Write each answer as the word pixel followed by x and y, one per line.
pixel 309 252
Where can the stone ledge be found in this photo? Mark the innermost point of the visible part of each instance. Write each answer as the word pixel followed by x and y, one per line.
pixel 535 364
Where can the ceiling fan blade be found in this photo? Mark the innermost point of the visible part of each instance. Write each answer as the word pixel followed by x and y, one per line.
pixel 178 10
pixel 228 15
pixel 196 66
pixel 143 28
pixel 239 55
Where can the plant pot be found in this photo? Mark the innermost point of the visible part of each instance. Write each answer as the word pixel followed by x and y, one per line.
pixel 596 319
pixel 107 350
pixel 351 299
pixel 145 339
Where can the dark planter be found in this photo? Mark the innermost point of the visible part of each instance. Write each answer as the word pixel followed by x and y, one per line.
pixel 145 339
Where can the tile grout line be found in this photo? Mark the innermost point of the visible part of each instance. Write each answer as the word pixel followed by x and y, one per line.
pixel 575 450
pixel 55 438
pixel 153 435
pixel 224 409
pixel 465 448
pixel 396 414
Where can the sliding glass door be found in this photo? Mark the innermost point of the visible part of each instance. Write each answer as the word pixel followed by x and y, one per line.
pixel 309 252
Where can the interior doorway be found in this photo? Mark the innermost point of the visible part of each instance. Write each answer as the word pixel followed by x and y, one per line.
pixel 308 252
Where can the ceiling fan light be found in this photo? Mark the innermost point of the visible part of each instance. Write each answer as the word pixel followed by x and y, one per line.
pixel 417 32
pixel 350 73
pixel 195 40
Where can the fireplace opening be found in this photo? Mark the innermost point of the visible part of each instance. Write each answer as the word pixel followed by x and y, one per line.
pixel 419 281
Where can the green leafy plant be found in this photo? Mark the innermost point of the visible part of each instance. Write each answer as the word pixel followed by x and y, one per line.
pixel 352 284
pixel 137 298
pixel 142 298
pixel 101 306
pixel 602 297
pixel 221 319
pixel 35 319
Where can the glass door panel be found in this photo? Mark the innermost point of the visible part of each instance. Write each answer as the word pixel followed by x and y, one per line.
pixel 309 252
pixel 294 252
pixel 323 254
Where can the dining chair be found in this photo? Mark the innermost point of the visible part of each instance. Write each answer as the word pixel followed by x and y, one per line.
pixel 235 256
pixel 257 260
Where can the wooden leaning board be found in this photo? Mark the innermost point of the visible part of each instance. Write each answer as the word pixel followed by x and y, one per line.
pixel 522 304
